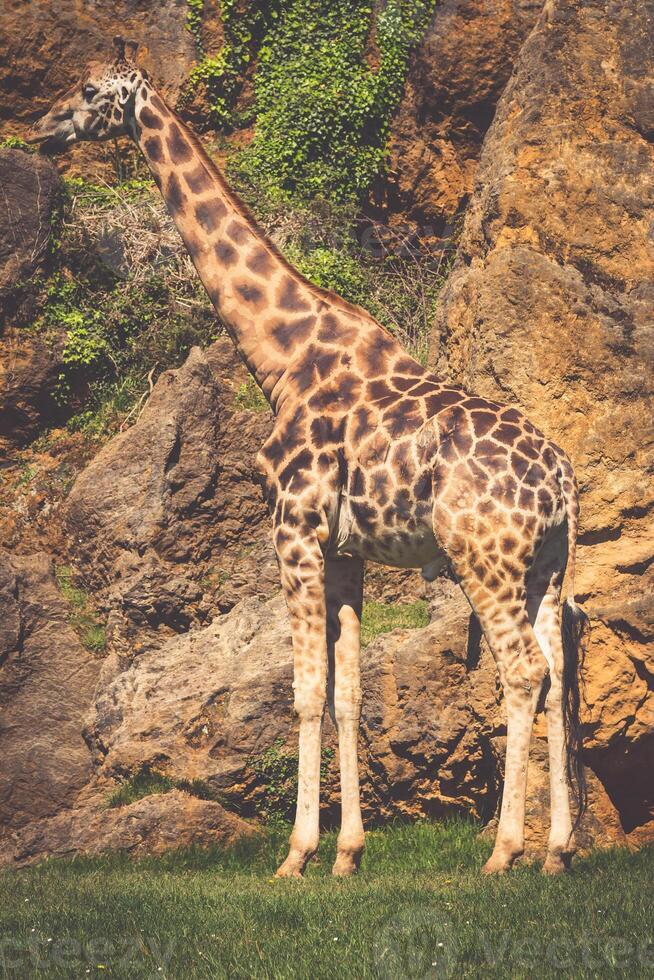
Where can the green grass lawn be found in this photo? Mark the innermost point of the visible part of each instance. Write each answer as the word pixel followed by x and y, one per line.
pixel 419 908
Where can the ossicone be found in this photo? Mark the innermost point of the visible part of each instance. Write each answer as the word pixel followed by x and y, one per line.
pixel 125 50
pixel 119 45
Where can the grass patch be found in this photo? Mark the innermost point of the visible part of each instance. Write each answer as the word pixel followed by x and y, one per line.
pixel 143 783
pixel 380 617
pixel 419 908
pixel 83 617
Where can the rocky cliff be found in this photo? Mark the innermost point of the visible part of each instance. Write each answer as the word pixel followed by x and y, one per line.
pixel 549 306
pixel 155 651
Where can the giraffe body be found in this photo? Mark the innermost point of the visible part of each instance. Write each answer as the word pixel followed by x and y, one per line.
pixel 371 458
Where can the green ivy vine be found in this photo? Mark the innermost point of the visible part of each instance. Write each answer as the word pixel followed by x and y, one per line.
pixel 222 73
pixel 330 74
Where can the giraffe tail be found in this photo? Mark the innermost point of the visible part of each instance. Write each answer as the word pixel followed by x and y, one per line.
pixel 573 626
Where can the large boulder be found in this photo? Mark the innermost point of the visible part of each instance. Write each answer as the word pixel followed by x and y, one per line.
pixel 47 681
pixel 168 521
pixel 214 703
pixel 550 306
pixel 153 825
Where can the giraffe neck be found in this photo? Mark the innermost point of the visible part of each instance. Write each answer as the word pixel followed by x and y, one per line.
pixel 265 306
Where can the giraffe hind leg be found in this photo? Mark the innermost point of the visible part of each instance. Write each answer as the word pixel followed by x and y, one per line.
pixel 523 671
pixel 344 594
pixel 544 610
pixel 502 613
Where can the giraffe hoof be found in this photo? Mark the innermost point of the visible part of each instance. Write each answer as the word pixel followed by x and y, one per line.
pixel 287 870
pixel 499 864
pixel 493 867
pixel 556 863
pixel 346 864
pixel 294 865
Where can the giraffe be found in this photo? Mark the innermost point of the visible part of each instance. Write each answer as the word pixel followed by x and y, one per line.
pixel 371 458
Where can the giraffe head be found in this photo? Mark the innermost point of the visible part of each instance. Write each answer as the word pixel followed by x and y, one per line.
pixel 100 106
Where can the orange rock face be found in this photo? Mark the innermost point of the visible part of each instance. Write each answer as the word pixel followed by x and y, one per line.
pixel 457 75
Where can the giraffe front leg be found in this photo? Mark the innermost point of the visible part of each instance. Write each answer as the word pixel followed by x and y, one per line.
pixel 302 573
pixel 344 595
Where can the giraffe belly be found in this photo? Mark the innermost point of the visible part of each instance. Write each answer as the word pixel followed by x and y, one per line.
pixel 409 544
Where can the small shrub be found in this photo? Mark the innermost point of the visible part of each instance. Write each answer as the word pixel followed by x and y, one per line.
pixel 16 143
pixel 83 617
pixel 333 269
pixel 149 782
pixel 250 398
pixel 27 474
pixel 277 769
pixel 146 782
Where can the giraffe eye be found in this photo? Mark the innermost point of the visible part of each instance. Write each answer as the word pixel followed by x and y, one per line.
pixel 88 91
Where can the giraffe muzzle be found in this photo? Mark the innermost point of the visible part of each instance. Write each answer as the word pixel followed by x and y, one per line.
pixel 53 133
